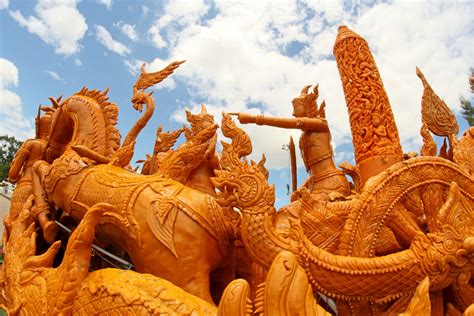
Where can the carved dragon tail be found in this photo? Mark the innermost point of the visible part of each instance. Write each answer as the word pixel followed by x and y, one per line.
pixel 37 280
pixel 75 265
pixel 121 292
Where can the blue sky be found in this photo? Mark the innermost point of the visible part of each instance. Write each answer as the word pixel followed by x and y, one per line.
pixel 252 56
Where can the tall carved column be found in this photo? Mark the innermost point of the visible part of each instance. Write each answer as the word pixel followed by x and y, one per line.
pixel 374 132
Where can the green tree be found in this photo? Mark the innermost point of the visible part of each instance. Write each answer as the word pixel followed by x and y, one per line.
pixel 467 110
pixel 9 145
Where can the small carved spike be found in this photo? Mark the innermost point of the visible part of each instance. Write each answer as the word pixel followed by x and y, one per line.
pixel 44 260
pixel 443 151
pixel 422 77
pixel 261 166
pixel 322 110
pixel 305 89
pixel 316 90
pixel 429 147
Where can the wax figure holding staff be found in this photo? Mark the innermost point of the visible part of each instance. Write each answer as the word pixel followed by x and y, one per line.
pixel 315 144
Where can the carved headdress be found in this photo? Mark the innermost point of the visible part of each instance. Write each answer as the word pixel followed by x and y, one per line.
pixel 308 101
pixel 43 123
pixel 198 122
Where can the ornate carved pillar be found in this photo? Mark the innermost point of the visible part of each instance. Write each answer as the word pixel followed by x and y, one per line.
pixel 374 132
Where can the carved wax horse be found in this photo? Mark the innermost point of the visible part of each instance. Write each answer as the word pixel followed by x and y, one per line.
pixel 167 229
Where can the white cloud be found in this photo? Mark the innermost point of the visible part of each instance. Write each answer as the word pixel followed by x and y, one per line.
pixel 330 10
pixel 178 14
pixel 3 4
pixel 9 74
pixel 104 37
pixel 128 30
pixel 12 120
pixel 168 84
pixel 77 62
pixel 58 23
pixel 134 66
pixel 256 56
pixel 106 3
pixel 53 75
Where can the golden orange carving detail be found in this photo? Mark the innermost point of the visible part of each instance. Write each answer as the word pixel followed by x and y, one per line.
pixel 197 232
pixel 435 113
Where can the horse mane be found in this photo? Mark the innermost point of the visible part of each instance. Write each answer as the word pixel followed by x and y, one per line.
pixel 110 113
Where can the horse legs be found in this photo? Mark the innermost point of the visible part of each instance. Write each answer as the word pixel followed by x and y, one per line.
pixel 222 276
pixel 41 209
pixel 199 286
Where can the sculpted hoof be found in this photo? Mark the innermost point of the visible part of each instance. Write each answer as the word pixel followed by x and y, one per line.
pixel 50 229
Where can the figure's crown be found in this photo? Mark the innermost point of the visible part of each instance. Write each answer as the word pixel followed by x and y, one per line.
pixel 44 124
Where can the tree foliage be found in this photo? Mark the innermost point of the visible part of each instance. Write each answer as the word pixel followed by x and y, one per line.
pixel 9 145
pixel 467 110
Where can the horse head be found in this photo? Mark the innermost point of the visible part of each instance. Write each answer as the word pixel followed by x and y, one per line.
pixel 88 119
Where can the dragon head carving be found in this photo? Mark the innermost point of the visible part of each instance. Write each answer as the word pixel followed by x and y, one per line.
pixel 242 185
pixel 180 163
